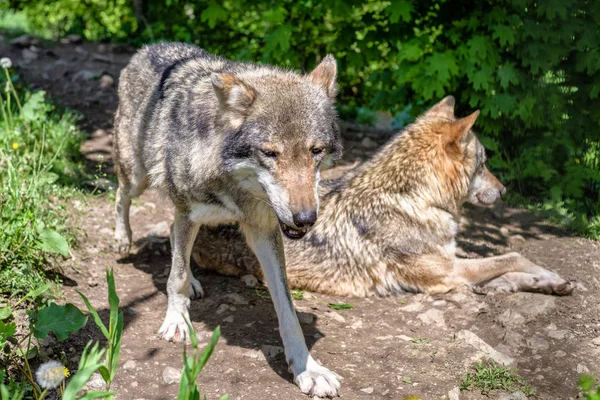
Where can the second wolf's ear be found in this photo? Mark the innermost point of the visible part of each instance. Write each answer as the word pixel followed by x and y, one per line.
pixel 457 131
pixel 444 108
pixel 324 75
pixel 233 93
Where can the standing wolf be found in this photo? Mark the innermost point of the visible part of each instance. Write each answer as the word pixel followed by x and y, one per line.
pixel 227 142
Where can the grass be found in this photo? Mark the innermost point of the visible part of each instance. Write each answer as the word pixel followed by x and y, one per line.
pixel 590 388
pixel 39 169
pixel 340 306
pixel 488 376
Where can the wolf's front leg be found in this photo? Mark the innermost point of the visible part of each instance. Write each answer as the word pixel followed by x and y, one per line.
pixel 312 378
pixel 181 285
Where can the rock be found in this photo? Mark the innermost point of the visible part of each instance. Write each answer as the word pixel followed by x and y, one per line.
pixel 171 375
pixel 254 354
pixel 404 338
pixel 305 318
pixel 357 324
pixel 75 39
pixel 95 382
pixel 335 316
pixel 476 342
pixel 162 229
pixel 272 351
pixel 514 339
pixel 582 369
pixel 250 280
pixel 596 342
pixel 228 319
pixel 134 384
pixel 106 81
pixel 531 305
pixel 28 55
pixel 413 307
pixel 92 282
pixel 454 394
pixel 222 308
pixel 513 396
pixel 25 41
pixel 559 354
pixel 369 143
pixel 433 317
pixel 537 343
pixel 130 365
pixel 558 334
pixel 235 298
pixel 511 319
pixel 87 75
pixel 367 390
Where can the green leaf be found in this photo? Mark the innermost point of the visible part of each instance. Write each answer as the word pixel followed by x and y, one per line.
pixel 61 320
pixel 507 75
pixel 504 34
pixel 104 372
pixel 7 330
pixel 95 316
pixel 442 65
pixel 53 242
pixel 400 9
pixel 340 306
pixel 35 107
pixel 35 293
pixel 88 364
pixel 5 312
pixel 279 38
pixel 95 394
pixel 213 13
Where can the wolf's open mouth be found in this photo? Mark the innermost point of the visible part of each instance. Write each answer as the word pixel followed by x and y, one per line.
pixel 292 233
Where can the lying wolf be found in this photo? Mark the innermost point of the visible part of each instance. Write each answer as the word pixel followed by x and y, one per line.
pixel 227 142
pixel 390 225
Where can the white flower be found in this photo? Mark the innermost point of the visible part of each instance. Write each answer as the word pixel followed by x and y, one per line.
pixel 50 374
pixel 5 62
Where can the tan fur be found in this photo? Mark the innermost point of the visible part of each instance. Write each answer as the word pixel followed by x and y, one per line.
pixel 390 224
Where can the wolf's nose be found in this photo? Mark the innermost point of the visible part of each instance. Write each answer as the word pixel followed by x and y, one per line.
pixel 502 190
pixel 305 218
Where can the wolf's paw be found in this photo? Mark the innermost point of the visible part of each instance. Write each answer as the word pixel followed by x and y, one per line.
pixel 318 381
pixel 122 245
pixel 563 289
pixel 195 289
pixel 174 328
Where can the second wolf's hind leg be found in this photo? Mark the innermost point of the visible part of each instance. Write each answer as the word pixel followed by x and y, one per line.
pixel 529 277
pixel 125 192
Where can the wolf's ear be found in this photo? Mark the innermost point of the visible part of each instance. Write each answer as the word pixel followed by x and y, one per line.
pixel 444 108
pixel 457 130
pixel 324 75
pixel 233 93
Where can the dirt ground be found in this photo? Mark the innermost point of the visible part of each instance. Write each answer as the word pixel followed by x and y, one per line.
pixel 551 340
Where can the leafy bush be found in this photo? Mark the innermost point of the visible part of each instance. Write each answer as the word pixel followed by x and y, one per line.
pixel 39 147
pixel 532 67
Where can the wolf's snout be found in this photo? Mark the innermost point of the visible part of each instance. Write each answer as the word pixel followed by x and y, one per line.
pixel 305 218
pixel 502 190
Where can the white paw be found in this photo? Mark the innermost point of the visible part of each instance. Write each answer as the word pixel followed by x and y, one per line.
pixel 122 245
pixel 318 381
pixel 195 289
pixel 174 327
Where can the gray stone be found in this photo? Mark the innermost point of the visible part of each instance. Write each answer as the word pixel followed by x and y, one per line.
pixel 531 305
pixel 537 343
pixel 235 298
pixel 596 341
pixel 433 317
pixel 367 390
pixel 229 319
pixel 511 319
pixel 559 334
pixel 254 354
pixel 95 382
pixel 28 55
pixel 369 143
pixel 106 81
pixel 75 39
pixel 272 351
pixel 454 394
pixel 222 308
pixel 513 396
pixel 249 280
pixel 130 365
pixel 305 318
pixel 171 375
pixel 413 307
pixel 582 369
pixel 162 229
pixel 514 339
pixel 476 342
pixel 24 41
pixel 335 316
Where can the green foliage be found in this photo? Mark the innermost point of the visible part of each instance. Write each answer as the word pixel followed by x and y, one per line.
pixel 193 365
pixel 114 331
pixel 531 67
pixel 61 320
pixel 591 390
pixel 88 364
pixel 488 376
pixel 39 151
pixel 340 306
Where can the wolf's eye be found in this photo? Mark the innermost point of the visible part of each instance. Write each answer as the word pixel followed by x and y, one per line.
pixel 269 153
pixel 316 151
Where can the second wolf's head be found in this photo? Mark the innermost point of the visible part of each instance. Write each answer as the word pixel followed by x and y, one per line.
pixel 280 130
pixel 448 160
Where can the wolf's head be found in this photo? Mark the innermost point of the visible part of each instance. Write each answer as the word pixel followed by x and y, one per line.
pixel 280 129
pixel 458 158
